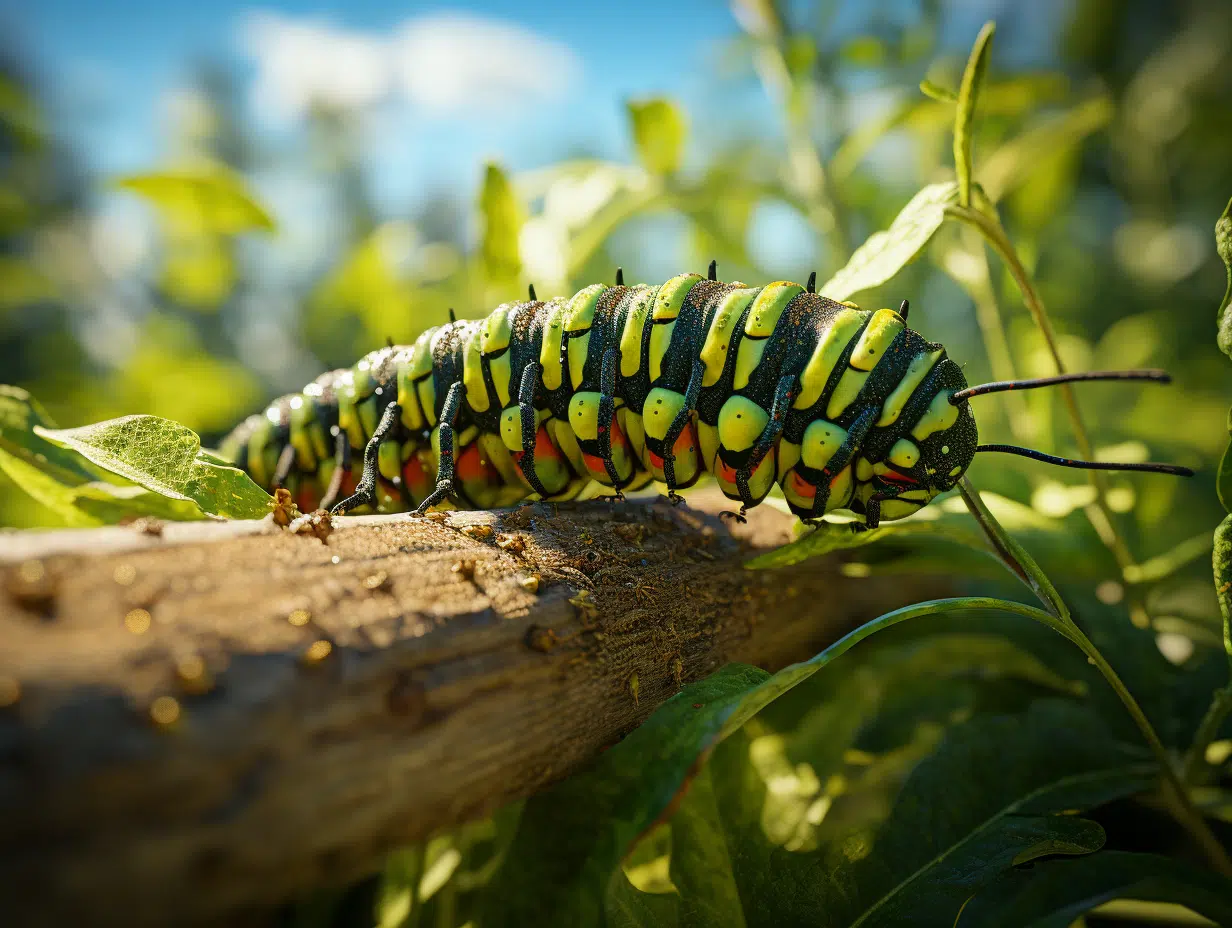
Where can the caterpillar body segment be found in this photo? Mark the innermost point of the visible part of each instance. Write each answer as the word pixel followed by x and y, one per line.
pixel 624 385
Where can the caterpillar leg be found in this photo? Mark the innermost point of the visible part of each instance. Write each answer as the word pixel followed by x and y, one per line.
pixel 784 393
pixel 691 393
pixel 286 461
pixel 444 472
pixel 872 513
pixel 526 409
pixel 342 469
pixel 365 493
pixel 607 414
pixel 842 457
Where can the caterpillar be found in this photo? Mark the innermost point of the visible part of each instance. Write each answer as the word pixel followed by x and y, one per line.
pixel 842 408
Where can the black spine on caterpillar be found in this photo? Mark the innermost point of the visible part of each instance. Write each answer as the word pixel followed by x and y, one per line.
pixel 842 408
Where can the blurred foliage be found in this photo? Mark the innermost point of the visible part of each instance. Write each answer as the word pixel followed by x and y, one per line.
pixel 938 757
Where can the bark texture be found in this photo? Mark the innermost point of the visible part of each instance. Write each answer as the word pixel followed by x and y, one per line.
pixel 202 723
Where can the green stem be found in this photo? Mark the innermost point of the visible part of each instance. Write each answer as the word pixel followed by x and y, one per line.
pixel 1216 714
pixel 1098 513
pixel 1021 563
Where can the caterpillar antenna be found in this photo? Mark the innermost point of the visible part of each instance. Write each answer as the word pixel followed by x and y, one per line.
pixel 620 276
pixel 904 308
pixel 1149 467
pixel 1002 386
pixel 713 273
pixel 530 289
pixel 812 282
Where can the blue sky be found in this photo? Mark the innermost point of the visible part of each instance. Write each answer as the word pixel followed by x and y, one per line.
pixel 110 69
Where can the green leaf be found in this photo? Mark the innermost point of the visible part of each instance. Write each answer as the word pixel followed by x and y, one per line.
pixel 943 836
pixel 165 457
pixel 502 218
pixel 941 520
pixel 1054 893
pixel 889 251
pixel 59 497
pixel 20 414
pixel 968 94
pixel 659 129
pixel 209 200
pixel 702 868
pixel 574 835
pixel 1223 245
pixel 937 92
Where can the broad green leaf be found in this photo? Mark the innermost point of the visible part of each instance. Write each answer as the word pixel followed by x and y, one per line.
pixel 502 216
pixel 947 519
pixel 1054 893
pixel 209 200
pixel 889 251
pixel 943 836
pixel 1223 245
pixel 659 129
pixel 702 866
pixel 968 95
pixel 625 906
pixel 164 456
pixel 574 835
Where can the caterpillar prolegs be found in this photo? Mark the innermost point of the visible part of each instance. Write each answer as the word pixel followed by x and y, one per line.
pixel 841 407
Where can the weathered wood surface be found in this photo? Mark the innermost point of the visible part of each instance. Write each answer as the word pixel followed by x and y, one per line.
pixel 338 700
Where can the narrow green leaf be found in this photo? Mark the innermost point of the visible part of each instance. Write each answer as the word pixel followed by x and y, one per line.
pixel 889 251
pixel 210 200
pixel 573 835
pixel 1223 245
pixel 968 95
pixel 1054 893
pixel 937 92
pixel 502 217
pixel 164 456
pixel 659 130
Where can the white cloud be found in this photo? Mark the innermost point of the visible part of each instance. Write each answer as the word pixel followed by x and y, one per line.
pixel 442 62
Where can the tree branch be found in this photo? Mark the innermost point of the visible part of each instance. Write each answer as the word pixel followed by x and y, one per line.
pixel 200 725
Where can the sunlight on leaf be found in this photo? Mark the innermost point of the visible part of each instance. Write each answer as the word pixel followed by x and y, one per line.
pixel 502 217
pixel 889 251
pixel 212 200
pixel 164 456
pixel 659 130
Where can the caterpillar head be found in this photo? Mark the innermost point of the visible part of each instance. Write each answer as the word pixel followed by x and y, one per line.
pixel 922 455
